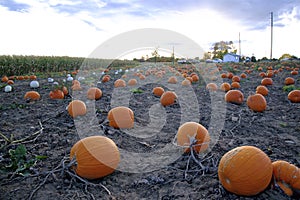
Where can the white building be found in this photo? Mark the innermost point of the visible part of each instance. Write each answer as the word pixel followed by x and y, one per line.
pixel 230 57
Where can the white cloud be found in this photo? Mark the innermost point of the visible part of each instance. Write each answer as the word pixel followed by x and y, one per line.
pixel 43 30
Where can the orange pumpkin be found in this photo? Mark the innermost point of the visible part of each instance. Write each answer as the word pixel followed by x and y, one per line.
pixel 234 96
pixel 119 83
pixel 94 93
pixel 245 170
pixel 235 85
pixel 132 82
pixel 193 134
pixel 267 81
pixel 32 77
pixel 212 87
pixel 105 78
pixel 294 96
pixel 223 75
pixel 32 96
pixel 10 82
pixel 20 78
pixel 195 78
pixel 121 117
pixel 75 82
pixel 158 91
pixel 289 81
pixel 76 108
pixel 56 94
pixel 229 75
pixel 262 74
pixel 142 77
pixel 294 72
pixel 168 98
pixel 243 75
pixel 190 79
pixel 95 156
pixel 263 90
pixel 4 79
pixel 225 87
pixel 287 176
pixel 76 87
pixel 186 82
pixel 65 90
pixel 172 80
pixel 235 79
pixel 257 102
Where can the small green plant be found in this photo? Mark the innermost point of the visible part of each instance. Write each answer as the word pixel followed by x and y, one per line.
pixel 289 88
pixel 19 162
pixel 283 124
pixel 137 90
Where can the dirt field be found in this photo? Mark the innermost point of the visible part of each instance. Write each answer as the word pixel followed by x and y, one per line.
pixel 52 133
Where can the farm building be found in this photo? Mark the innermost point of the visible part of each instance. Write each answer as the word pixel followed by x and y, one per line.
pixel 230 57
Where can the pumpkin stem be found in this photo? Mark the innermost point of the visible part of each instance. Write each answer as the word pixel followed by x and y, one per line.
pixel 73 162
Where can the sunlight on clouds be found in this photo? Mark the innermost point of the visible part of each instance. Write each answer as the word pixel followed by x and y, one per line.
pixel 45 29
pixel 38 33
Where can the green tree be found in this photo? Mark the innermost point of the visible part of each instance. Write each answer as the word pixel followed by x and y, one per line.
pixel 221 48
pixel 285 55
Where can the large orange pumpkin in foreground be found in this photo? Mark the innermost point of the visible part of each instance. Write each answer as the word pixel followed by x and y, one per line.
pixel 257 102
pixel 245 170
pixel 96 157
pixel 168 98
pixel 234 96
pixel 192 130
pixel 121 117
pixel 77 108
pixel 294 96
pixel 287 176
pixel 94 93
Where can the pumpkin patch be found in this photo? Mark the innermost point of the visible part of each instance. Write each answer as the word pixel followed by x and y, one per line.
pixel 92 149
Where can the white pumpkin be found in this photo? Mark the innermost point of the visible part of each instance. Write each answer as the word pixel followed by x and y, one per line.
pixel 34 84
pixel 50 80
pixel 7 88
pixel 81 78
pixel 70 78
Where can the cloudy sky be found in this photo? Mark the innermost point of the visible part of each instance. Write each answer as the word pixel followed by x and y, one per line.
pixel 77 27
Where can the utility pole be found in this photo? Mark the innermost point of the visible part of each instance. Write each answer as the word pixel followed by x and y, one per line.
pixel 240 50
pixel 271 35
pixel 173 57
